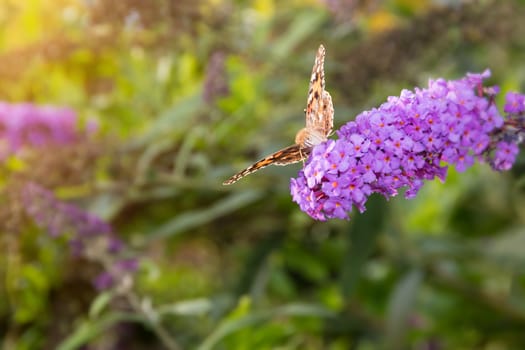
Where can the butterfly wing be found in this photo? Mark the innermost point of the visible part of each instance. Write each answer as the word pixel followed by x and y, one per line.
pixel 327 114
pixel 319 124
pixel 319 107
pixel 289 155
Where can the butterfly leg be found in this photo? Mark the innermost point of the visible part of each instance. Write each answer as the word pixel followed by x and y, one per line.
pixel 302 156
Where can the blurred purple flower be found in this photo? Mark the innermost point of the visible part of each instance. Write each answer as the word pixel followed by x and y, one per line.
pixel 103 281
pixel 216 83
pixel 406 140
pixel 89 236
pixel 59 217
pixel 127 265
pixel 108 279
pixel 26 124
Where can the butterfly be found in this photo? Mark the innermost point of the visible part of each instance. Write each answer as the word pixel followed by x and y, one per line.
pixel 319 123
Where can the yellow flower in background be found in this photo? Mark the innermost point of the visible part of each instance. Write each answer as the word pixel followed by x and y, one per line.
pixel 31 20
pixel 382 21
pixel 265 8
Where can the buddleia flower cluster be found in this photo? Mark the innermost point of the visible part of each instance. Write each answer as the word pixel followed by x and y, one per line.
pixel 88 235
pixel 26 124
pixel 409 139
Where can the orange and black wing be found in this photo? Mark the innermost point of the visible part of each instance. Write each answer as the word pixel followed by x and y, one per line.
pixel 319 107
pixel 288 155
pixel 327 112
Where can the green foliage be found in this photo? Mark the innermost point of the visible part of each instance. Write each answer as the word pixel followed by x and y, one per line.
pixel 240 267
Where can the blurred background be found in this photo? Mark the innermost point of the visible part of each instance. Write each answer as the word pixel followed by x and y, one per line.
pixel 116 232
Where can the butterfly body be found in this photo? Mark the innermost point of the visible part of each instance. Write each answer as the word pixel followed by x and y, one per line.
pixel 319 115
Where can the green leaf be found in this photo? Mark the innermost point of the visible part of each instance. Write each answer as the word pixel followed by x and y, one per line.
pixel 191 219
pixel 88 330
pixel 401 304
pixel 302 27
pixel 506 248
pixel 230 326
pixel 99 304
pixel 195 307
pixel 306 263
pixel 361 241
pixel 36 277
pixel 254 277
pixel 178 118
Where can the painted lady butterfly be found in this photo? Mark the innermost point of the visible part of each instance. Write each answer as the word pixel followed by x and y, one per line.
pixel 319 123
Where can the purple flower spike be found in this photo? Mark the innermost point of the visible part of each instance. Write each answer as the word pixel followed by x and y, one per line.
pixel 408 139
pixel 26 124
pixel 84 231
pixel 59 217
